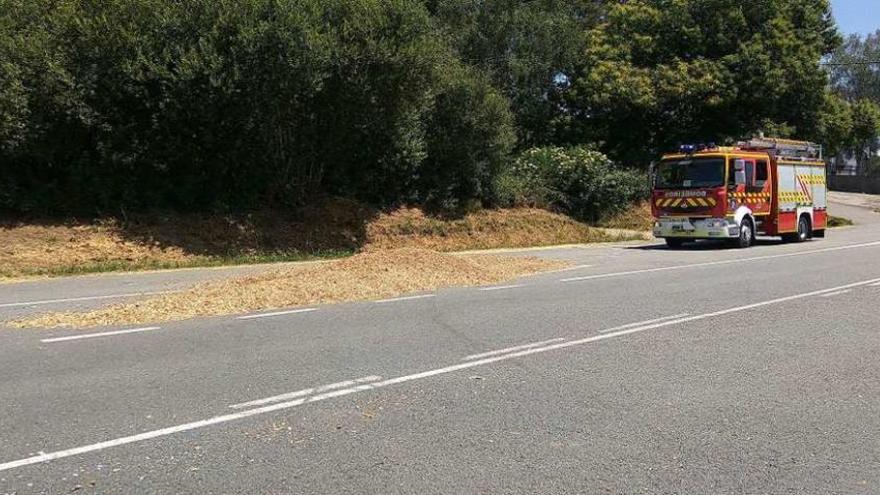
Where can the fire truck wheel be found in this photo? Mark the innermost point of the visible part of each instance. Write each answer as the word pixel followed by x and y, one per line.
pixel 674 243
pixel 803 232
pixel 746 234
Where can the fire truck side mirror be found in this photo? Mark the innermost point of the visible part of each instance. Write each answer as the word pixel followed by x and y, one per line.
pixel 739 175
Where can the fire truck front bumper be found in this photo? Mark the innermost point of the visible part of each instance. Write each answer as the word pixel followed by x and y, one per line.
pixel 696 228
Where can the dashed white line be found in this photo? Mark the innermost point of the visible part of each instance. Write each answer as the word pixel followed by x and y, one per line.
pixel 646 322
pixel 96 335
pixel 276 313
pixel 716 263
pixel 407 298
pixel 832 294
pixel 40 458
pixel 501 287
pixel 307 391
pixel 85 298
pixel 512 349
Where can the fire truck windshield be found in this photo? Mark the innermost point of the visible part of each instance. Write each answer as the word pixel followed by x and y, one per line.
pixel 690 173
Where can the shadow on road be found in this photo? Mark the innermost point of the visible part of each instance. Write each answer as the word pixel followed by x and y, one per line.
pixel 704 245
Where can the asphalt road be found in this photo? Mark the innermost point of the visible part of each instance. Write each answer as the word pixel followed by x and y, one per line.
pixel 645 370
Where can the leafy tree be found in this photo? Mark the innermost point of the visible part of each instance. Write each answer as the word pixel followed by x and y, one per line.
pixel 834 128
pixel 232 104
pixel 470 134
pixel 526 48
pixel 855 68
pixel 658 72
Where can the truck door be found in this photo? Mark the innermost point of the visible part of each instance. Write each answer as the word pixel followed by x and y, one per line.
pixel 760 188
pixel 755 194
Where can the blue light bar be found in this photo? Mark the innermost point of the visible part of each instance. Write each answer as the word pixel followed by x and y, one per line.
pixel 688 149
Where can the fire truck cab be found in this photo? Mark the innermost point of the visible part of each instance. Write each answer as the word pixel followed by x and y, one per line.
pixel 773 187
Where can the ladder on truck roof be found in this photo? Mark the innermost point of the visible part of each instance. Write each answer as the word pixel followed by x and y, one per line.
pixel 784 148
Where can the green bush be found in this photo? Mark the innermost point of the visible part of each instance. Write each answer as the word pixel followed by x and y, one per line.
pixel 469 136
pixel 581 182
pixel 123 105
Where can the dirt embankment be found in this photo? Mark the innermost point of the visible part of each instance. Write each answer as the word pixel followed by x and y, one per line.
pixel 332 229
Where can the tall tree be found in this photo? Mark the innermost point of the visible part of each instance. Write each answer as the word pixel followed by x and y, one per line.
pixel 855 67
pixel 527 48
pixel 658 72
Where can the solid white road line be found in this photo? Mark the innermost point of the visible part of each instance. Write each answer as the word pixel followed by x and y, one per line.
pixel 511 349
pixel 401 379
pixel 832 294
pixel 307 391
pixel 407 298
pixel 572 268
pixel 876 285
pixel 86 298
pixel 501 287
pixel 276 313
pixel 646 322
pixel 96 335
pixel 716 263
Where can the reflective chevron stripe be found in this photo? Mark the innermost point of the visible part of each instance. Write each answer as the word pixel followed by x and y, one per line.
pixel 795 197
pixel 817 180
pixel 753 197
pixel 686 202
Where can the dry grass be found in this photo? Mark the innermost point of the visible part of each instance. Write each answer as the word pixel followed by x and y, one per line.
pixel 365 276
pixel 484 229
pixel 169 241
pixel 834 221
pixel 637 218
pixel 331 229
pixel 26 248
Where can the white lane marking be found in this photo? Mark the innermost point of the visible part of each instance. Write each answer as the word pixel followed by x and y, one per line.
pixel 646 322
pixel 86 298
pixel 401 379
pixel 307 391
pixel 511 349
pixel 501 287
pixel 407 298
pixel 276 313
pixel 716 263
pixel 572 268
pixel 96 335
pixel 876 285
pixel 832 294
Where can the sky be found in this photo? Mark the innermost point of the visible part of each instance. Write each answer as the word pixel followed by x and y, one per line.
pixel 857 16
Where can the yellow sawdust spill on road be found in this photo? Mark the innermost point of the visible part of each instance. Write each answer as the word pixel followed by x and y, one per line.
pixel 372 275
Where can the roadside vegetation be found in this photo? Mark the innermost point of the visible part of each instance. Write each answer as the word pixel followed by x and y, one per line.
pixel 109 109
pixel 333 231
pixel 434 124
pixel 365 276
pixel 834 221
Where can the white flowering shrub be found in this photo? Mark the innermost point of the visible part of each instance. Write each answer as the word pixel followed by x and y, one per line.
pixel 578 181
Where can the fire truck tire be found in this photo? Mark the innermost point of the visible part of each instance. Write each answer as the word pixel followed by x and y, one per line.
pixel 803 231
pixel 746 234
pixel 674 243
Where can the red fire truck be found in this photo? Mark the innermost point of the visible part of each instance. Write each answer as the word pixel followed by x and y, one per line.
pixel 774 187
